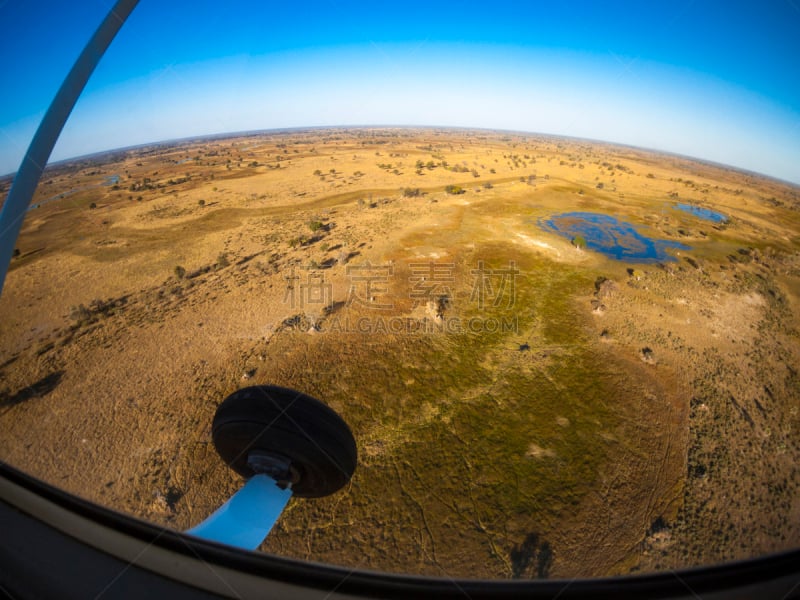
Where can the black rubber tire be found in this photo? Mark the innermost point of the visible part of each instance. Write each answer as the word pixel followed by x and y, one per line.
pixel 311 435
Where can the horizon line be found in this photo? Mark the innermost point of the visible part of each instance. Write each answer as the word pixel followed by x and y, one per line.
pixel 278 130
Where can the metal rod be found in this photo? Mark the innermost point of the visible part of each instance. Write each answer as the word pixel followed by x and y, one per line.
pixel 246 519
pixel 35 159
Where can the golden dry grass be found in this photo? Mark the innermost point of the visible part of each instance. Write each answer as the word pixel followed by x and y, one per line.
pixel 473 444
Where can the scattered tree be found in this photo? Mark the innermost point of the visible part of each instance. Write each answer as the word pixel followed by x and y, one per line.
pixel 80 314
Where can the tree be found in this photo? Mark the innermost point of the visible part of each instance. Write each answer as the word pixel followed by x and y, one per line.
pixel 80 314
pixel 579 242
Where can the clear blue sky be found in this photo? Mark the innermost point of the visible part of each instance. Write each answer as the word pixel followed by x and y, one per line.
pixel 711 79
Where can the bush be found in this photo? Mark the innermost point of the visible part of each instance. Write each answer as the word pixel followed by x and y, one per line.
pixel 180 272
pixel 298 241
pixel 579 242
pixel 222 260
pixel 93 205
pixel 80 314
pixel 201 202
pixel 411 192
pixel 454 189
pixel 315 225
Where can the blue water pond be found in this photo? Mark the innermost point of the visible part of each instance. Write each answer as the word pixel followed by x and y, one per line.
pixel 610 236
pixel 703 213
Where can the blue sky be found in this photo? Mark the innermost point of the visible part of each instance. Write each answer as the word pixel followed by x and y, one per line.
pixel 710 79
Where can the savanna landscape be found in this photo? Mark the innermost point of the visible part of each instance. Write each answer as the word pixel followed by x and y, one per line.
pixel 535 390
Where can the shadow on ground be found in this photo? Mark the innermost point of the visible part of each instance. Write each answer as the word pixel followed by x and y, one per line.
pixel 37 390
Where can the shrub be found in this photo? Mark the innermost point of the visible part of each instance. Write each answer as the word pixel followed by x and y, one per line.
pixel 315 225
pixel 411 192
pixel 222 260
pixel 454 189
pixel 201 202
pixel 579 242
pixel 93 205
pixel 180 272
pixel 80 314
